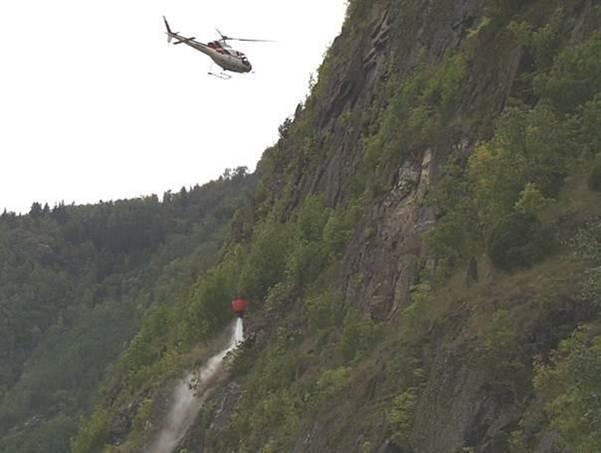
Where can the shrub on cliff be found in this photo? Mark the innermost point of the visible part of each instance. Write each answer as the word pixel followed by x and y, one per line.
pixel 569 385
pixel 502 10
pixel 519 240
pixel 402 417
pixel 575 76
pixel 93 434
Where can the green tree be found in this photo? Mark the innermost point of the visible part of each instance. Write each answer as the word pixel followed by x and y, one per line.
pixel 569 382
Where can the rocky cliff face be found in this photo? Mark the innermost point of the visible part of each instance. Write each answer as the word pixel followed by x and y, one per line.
pixel 387 247
pixel 458 407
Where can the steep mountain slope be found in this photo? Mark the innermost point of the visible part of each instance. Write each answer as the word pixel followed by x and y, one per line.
pixel 421 254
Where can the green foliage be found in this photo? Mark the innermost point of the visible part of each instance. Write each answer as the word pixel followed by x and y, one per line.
pixel 282 414
pixel 146 357
pixel 502 10
pixel 308 255
pixel 457 234
pixel 414 117
pixel 272 402
pixel 531 200
pixel 501 353
pixel 569 383
pixel 279 294
pixel 52 435
pixel 575 76
pixel 531 150
pixel 321 235
pixel 141 421
pixel 324 310
pixel 418 314
pixel 331 382
pixel 306 262
pixel 405 369
pixel 266 261
pixel 359 335
pixel 545 42
pixel 518 241
pixel 507 179
pixel 339 230
pixel 311 219
pixel 93 434
pixel 208 308
pixel 276 395
pixel 530 147
pixel 402 417
pixel 309 246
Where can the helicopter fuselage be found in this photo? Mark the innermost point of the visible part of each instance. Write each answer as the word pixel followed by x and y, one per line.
pixel 225 57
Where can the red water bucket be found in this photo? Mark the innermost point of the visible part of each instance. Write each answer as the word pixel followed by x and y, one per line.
pixel 239 306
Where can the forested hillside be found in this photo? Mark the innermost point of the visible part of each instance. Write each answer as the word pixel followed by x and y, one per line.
pixel 421 253
pixel 75 283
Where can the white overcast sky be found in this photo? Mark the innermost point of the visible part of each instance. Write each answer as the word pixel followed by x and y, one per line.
pixel 94 104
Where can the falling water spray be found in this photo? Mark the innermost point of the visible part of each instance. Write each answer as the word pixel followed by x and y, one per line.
pixel 190 394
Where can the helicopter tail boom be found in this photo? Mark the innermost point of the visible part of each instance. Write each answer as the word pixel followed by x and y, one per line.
pixel 169 32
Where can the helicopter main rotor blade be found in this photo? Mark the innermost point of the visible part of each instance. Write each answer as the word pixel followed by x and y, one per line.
pixel 249 40
pixel 225 38
pixel 229 38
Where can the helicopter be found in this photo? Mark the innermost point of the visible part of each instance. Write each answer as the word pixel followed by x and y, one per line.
pixel 219 51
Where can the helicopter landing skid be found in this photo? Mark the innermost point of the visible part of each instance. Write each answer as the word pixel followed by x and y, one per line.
pixel 221 75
